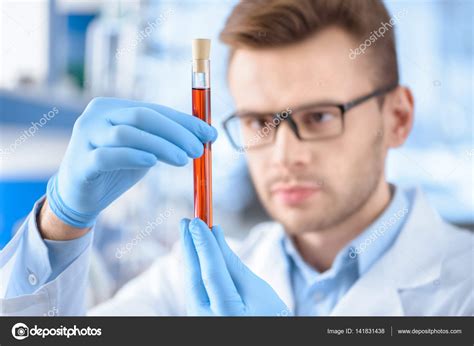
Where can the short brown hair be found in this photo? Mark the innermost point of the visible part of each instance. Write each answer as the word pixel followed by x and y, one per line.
pixel 274 23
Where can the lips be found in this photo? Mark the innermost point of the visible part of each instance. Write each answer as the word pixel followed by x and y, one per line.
pixel 295 194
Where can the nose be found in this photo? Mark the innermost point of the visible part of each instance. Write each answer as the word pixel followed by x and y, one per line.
pixel 287 150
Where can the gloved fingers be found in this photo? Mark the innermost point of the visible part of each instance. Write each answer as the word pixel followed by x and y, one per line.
pixel 220 288
pixel 204 131
pixel 111 159
pixel 131 137
pixel 197 292
pixel 237 269
pixel 160 125
pixel 197 126
pixel 200 128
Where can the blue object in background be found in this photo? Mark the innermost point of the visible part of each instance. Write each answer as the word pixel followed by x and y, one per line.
pixel 19 189
pixel 16 200
pixel 76 36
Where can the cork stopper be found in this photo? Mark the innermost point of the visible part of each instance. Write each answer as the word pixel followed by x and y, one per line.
pixel 201 48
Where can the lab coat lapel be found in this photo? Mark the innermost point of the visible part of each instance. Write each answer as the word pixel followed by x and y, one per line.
pixel 412 261
pixel 269 262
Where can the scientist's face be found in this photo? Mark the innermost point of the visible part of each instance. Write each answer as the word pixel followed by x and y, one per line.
pixel 313 185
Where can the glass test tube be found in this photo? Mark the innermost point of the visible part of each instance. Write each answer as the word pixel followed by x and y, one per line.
pixel 201 99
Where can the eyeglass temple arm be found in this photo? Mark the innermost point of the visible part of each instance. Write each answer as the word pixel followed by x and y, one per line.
pixel 362 99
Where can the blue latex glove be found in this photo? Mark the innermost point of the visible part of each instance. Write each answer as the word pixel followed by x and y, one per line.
pixel 217 281
pixel 113 145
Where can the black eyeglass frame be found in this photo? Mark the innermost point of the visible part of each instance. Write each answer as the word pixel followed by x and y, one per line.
pixel 344 108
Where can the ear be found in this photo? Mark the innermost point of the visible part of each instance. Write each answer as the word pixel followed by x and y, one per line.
pixel 398 110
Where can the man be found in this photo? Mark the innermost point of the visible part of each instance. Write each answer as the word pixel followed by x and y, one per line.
pixel 316 121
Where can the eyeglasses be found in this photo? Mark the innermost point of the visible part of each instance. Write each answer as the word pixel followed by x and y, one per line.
pixel 313 122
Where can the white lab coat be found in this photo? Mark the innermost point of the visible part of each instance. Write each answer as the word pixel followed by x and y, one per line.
pixel 428 271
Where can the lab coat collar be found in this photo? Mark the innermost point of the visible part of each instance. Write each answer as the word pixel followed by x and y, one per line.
pixel 413 260
pixel 418 253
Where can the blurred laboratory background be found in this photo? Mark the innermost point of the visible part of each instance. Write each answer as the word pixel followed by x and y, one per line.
pixel 55 55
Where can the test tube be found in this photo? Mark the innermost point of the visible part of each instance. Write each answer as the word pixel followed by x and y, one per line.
pixel 201 99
